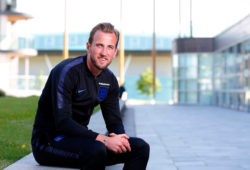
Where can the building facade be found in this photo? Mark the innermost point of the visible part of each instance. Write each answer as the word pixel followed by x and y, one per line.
pixel 214 71
pixel 12 48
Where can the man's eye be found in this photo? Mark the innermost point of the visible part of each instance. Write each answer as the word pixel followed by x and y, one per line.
pixel 111 47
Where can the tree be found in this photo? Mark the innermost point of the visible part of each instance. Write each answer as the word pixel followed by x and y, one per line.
pixel 145 83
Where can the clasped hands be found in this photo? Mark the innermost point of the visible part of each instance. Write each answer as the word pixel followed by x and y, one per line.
pixel 117 143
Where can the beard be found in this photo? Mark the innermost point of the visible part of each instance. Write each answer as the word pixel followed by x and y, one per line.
pixel 95 63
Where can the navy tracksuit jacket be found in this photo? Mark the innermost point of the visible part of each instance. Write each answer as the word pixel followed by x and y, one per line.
pixel 69 97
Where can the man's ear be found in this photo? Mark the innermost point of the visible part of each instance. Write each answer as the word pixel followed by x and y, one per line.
pixel 87 46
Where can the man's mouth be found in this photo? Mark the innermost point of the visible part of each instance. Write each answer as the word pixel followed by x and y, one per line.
pixel 102 59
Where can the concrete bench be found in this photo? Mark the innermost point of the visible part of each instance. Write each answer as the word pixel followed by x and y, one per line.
pixel 96 123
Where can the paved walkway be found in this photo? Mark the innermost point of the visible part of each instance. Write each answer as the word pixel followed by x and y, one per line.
pixel 194 137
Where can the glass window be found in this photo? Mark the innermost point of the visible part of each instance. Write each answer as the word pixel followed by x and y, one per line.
pixel 242 99
pixel 205 60
pixel 241 82
pixel 205 98
pixel 231 83
pixel 191 60
pixel 218 59
pixel 230 59
pixel 232 99
pixel 191 85
pixel 218 71
pixel 191 73
pixel 181 97
pixel 249 82
pixel 182 73
pixel 205 84
pixel 182 84
pixel 224 84
pixel 182 60
pixel 217 84
pixel 205 72
pixel 175 73
pixel 217 98
pixel 191 97
pixel 227 99
pixel 221 99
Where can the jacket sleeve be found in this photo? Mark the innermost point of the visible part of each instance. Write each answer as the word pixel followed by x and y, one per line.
pixel 62 88
pixel 111 110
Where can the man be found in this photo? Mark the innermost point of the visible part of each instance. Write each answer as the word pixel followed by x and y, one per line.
pixel 75 86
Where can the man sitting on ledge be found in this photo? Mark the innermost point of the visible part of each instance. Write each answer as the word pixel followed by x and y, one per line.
pixel 75 86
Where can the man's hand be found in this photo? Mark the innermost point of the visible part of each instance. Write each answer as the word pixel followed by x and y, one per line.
pixel 118 143
pixel 115 143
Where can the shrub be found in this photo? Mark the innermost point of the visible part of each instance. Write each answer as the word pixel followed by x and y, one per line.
pixel 2 93
pixel 145 83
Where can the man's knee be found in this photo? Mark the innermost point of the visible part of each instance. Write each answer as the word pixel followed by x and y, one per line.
pixel 94 157
pixel 141 146
pixel 145 148
pixel 98 150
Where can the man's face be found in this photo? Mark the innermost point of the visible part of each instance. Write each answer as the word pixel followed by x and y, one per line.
pixel 102 50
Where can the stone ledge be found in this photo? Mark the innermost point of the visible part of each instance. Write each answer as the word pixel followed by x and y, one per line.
pixel 29 163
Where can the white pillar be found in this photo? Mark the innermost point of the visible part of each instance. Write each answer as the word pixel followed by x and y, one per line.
pixel 26 72
pixel 13 72
pixel 4 72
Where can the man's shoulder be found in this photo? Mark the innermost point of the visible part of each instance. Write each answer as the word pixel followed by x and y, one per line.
pixel 69 63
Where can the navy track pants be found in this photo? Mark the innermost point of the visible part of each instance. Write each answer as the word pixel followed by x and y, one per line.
pixel 88 154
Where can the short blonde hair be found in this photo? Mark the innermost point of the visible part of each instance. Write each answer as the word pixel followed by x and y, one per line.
pixel 104 27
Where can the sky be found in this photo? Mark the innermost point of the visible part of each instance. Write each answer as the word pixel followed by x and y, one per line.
pixel 209 17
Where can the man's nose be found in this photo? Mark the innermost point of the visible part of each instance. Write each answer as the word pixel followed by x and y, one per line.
pixel 104 51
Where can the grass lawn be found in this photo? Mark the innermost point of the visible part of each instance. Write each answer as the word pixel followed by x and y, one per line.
pixel 16 121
